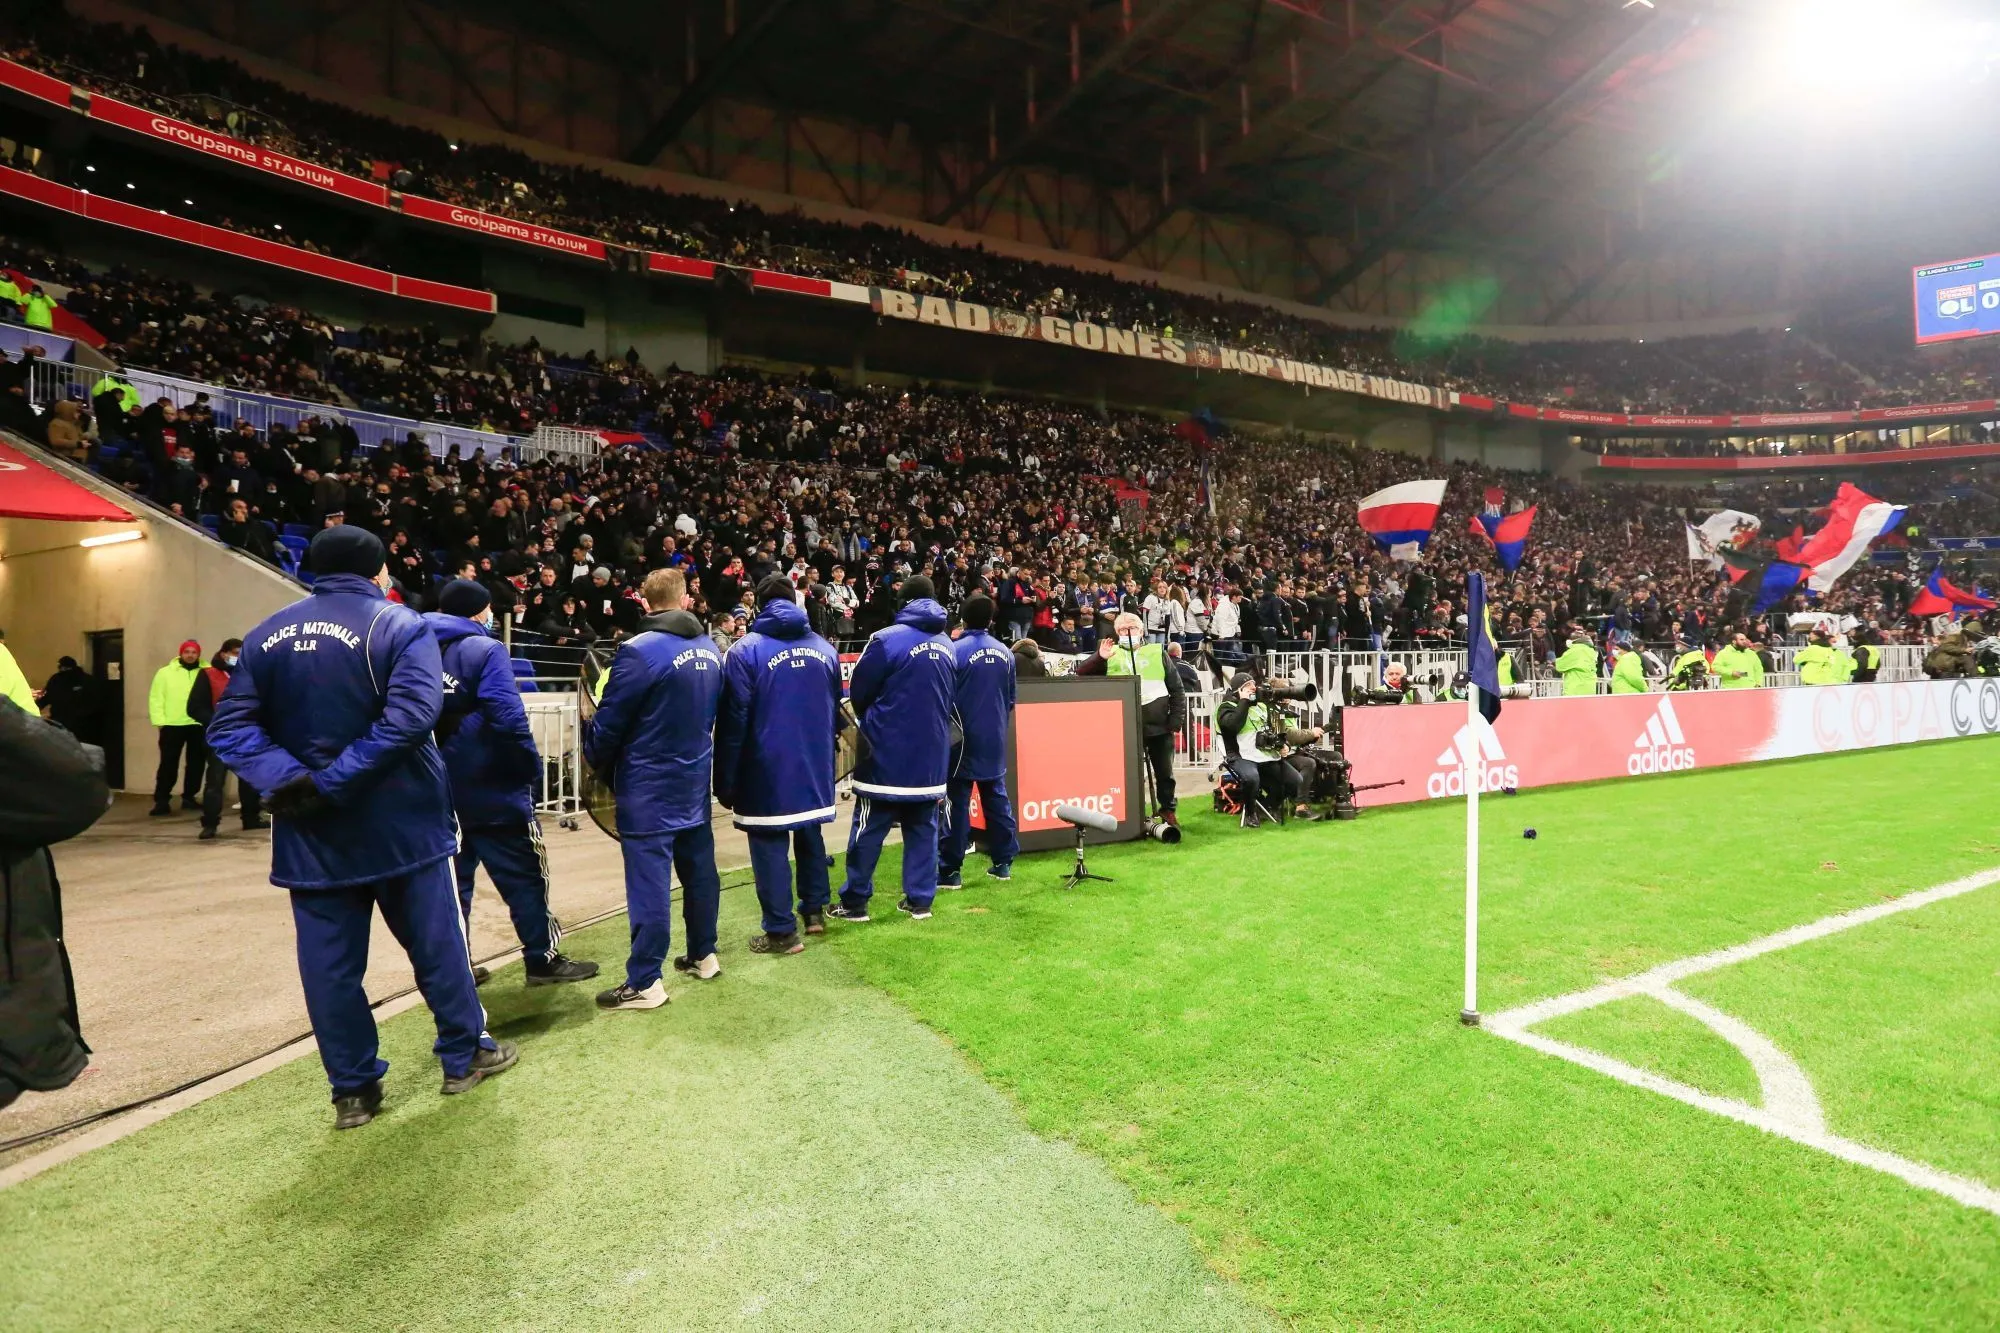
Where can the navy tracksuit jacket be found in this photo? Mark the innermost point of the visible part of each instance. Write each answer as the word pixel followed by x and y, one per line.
pixel 902 689
pixel 345 687
pixel 774 744
pixel 984 700
pixel 652 737
pixel 490 757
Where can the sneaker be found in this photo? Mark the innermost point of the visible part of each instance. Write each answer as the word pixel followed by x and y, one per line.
pixel 207 833
pixel 914 912
pixel 357 1108
pixel 765 942
pixel 484 1065
pixel 252 825
pixel 702 969
pixel 159 810
pixel 1171 818
pixel 815 922
pixel 946 883
pixel 998 871
pixel 842 912
pixel 560 969
pixel 480 975
pixel 623 996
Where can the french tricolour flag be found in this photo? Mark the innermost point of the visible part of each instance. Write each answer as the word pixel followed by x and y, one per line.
pixel 1400 517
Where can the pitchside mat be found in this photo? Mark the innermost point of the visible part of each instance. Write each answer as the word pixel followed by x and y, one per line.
pixel 1738 1073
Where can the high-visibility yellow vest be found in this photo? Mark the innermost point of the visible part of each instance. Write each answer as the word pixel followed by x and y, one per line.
pixel 39 312
pixel 1152 670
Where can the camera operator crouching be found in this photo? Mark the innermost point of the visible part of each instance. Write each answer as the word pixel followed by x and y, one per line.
pixel 1259 747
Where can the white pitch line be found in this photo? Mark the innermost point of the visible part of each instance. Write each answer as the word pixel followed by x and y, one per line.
pixel 1792 1111
pixel 1666 974
pixel 1960 1189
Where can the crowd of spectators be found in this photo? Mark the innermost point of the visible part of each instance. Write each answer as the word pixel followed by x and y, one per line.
pixel 1064 511
pixel 1823 367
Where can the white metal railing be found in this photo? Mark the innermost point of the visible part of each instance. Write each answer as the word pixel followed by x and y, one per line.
pixel 54 381
pixel 558 729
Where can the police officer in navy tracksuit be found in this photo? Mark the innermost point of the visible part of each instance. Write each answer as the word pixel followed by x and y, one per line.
pixel 653 738
pixel 490 756
pixel 329 714
pixel 774 741
pixel 902 690
pixel 985 704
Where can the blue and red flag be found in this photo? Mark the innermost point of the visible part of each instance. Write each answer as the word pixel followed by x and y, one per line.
pixel 1764 582
pixel 1938 597
pixel 1507 535
pixel 1482 665
pixel 1400 517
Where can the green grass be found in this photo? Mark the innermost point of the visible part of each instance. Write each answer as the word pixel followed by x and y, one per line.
pixel 1258 1031
pixel 1647 1034
pixel 779 1149
pixel 1897 1023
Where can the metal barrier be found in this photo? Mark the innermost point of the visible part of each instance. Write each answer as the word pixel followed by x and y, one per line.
pixel 558 731
pixel 54 381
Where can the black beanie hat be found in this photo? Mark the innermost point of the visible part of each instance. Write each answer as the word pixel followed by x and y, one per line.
pixel 345 550
pixel 917 586
pixel 977 611
pixel 463 597
pixel 776 588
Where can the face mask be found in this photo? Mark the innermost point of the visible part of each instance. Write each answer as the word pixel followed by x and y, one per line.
pixel 229 660
pixel 1130 640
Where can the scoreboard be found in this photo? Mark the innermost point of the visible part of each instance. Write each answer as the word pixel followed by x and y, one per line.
pixel 1960 299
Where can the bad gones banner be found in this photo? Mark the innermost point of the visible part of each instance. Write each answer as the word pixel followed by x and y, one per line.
pixel 971 317
pixel 1551 741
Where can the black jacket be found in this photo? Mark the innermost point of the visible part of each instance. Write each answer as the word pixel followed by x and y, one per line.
pixel 49 792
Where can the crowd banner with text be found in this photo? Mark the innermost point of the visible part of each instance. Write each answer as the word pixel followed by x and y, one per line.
pixel 1551 741
pixel 972 317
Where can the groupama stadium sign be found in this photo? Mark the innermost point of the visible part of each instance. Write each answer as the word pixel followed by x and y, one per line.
pixel 1544 742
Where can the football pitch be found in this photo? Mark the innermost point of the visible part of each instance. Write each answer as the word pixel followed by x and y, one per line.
pixel 1734 1075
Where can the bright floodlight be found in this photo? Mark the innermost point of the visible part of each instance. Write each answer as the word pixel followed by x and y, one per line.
pixel 1855 46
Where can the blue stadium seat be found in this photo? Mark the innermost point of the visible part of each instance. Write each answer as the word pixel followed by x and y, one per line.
pixel 211 522
pixel 299 530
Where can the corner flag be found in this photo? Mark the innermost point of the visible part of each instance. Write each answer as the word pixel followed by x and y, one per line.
pixel 1483 661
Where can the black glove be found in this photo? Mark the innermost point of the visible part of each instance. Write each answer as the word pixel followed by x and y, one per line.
pixel 298 799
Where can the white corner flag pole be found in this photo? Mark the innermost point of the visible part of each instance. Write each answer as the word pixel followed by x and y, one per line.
pixel 1474 756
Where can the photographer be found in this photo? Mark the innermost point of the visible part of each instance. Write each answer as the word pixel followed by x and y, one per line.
pixel 1257 745
pixel 1162 698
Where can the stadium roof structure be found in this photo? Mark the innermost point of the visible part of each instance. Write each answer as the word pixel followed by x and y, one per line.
pixel 1384 124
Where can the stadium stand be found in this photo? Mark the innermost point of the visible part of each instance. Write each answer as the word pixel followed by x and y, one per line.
pixel 1811 367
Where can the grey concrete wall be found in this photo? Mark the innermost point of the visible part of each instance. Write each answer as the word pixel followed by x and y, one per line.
pixel 176 584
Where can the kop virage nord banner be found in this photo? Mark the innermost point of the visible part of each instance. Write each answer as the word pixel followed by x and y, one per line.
pixel 1551 741
pixel 971 317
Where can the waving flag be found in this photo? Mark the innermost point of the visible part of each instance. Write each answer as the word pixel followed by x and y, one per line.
pixel 1724 530
pixel 1764 582
pixel 1508 536
pixel 1854 519
pixel 1939 597
pixel 1400 517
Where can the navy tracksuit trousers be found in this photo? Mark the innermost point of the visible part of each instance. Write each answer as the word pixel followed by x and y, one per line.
pixel 774 874
pixel 872 821
pixel 690 853
pixel 333 926
pixel 518 865
pixel 997 808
